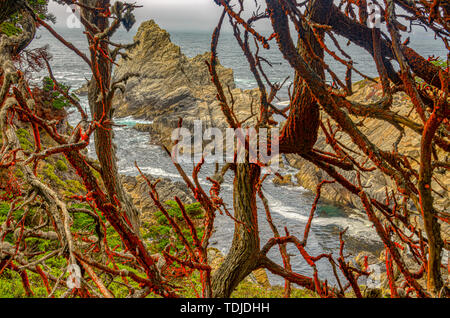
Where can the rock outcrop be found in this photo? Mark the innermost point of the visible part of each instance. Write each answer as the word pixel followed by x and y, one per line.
pixel 138 190
pixel 169 86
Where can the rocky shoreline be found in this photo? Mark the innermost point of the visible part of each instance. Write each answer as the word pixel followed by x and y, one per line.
pixel 170 86
pixel 165 85
pixel 138 190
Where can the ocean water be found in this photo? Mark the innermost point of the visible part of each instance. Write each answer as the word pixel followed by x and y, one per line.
pixel 230 55
pixel 69 68
pixel 290 206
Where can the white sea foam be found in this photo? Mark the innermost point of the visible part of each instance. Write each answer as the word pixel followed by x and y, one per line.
pixel 130 121
pixel 357 227
pixel 149 170
pixel 283 103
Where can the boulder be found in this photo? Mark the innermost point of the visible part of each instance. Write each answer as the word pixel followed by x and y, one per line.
pixel 142 127
pixel 283 180
pixel 82 91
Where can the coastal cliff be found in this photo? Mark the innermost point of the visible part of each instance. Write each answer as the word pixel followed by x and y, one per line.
pixel 166 85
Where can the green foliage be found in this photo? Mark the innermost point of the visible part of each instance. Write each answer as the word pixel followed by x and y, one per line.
pixel 161 234
pixel 40 8
pixel 61 165
pixel 16 215
pixel 11 26
pixel 49 171
pixel 58 100
pixel 39 245
pixel 440 63
pixel 113 238
pixel 245 289
pixel 18 173
pixel 4 209
pixel 69 186
pixel 24 136
pixel 75 186
pixel 11 285
pixel 82 221
pixel 194 210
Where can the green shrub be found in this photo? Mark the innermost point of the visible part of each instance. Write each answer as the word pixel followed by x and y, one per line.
pixel 161 233
pixel 56 99
pixel 24 136
pixel 9 29
pixel 194 210
pixel 49 172
pixel 61 165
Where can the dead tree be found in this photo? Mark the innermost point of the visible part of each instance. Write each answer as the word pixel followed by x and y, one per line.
pixel 88 251
pixel 311 20
pixel 311 99
pixel 311 96
pixel 101 93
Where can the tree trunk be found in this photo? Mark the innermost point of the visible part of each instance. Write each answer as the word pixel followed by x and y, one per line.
pixel 298 135
pixel 243 256
pixel 101 108
pixel 301 129
pixel 431 224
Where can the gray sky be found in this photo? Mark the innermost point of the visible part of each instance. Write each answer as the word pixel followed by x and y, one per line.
pixel 169 14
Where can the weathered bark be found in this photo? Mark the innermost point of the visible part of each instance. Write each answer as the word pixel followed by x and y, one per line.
pixel 101 109
pixel 301 129
pixel 128 236
pixel 105 150
pixel 243 257
pixel 432 227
